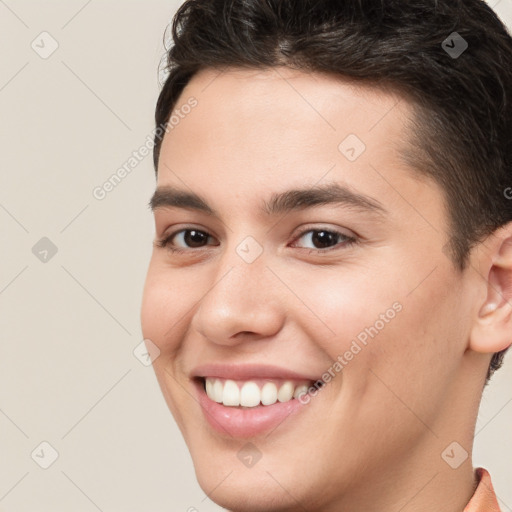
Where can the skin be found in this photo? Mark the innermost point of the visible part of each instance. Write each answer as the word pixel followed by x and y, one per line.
pixel 372 438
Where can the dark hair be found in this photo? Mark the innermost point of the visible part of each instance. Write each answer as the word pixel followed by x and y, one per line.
pixel 462 126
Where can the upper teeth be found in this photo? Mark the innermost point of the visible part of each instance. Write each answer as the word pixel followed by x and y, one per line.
pixel 251 393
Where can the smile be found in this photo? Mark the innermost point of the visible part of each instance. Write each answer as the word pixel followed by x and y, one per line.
pixel 246 401
pixel 253 393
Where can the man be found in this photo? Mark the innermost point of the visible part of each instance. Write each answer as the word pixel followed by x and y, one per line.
pixel 330 285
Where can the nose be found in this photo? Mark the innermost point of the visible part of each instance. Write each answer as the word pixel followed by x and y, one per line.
pixel 244 302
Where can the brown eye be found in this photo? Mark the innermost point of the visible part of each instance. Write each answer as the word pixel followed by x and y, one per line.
pixel 185 239
pixel 319 239
pixel 194 238
pixel 322 239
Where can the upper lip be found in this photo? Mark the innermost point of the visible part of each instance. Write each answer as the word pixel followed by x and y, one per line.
pixel 248 371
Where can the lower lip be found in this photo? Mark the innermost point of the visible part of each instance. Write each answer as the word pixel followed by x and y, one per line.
pixel 240 423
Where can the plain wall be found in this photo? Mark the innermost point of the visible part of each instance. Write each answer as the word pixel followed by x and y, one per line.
pixel 69 326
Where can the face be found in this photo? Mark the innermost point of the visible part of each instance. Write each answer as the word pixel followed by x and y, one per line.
pixel 293 244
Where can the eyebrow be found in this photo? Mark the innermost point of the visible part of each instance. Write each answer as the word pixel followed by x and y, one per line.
pixel 279 203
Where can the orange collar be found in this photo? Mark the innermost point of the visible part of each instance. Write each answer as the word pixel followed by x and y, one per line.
pixel 484 499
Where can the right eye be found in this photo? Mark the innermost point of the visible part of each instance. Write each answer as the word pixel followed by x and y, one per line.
pixel 188 239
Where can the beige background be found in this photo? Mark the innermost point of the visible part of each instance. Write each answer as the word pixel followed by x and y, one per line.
pixel 68 375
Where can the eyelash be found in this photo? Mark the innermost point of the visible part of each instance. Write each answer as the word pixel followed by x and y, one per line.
pixel 347 240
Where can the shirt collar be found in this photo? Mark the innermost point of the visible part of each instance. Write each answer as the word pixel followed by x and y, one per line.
pixel 484 499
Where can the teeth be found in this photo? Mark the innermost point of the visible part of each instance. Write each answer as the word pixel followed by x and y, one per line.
pixel 217 391
pixel 231 394
pixel 250 394
pixel 269 394
pixel 285 392
pixel 300 389
pixel 209 388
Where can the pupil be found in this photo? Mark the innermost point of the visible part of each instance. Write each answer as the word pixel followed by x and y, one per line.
pixel 324 238
pixel 194 238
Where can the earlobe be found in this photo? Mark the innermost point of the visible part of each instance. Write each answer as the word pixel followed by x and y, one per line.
pixel 492 329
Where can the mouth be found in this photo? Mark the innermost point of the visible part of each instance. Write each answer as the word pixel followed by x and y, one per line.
pixel 255 392
pixel 240 408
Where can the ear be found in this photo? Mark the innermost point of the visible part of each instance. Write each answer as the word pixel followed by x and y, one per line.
pixel 492 329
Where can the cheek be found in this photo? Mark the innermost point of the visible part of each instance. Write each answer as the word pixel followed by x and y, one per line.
pixel 374 321
pixel 416 356
pixel 153 311
pixel 348 307
pixel 164 303
pixel 163 306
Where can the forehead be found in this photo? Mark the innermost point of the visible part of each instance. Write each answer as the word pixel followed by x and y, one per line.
pixel 323 100
pixel 252 130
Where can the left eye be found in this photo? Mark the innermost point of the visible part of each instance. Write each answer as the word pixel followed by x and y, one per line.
pixel 325 239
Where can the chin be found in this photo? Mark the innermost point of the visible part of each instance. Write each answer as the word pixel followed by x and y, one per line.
pixel 245 491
